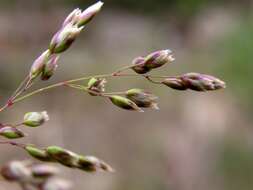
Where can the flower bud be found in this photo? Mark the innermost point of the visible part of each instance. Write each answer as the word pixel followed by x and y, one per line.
pixel 56 184
pixel 124 103
pixel 142 98
pixel 63 156
pixel 174 83
pixel 88 14
pixel 44 170
pixel 202 82
pixel 140 67
pixel 73 17
pixel 11 132
pixel 50 67
pixel 63 39
pixel 93 164
pixel 97 85
pixel 152 61
pixel 158 59
pixel 38 64
pixel 16 171
pixel 38 154
pixel 35 119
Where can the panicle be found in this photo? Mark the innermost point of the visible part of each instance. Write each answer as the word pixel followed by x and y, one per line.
pixel 35 119
pixel 73 17
pixel 142 65
pixel 97 85
pixel 44 170
pixel 194 81
pixel 93 164
pixel 202 82
pixel 64 38
pixel 63 156
pixel 159 58
pixel 37 153
pixel 16 171
pixel 139 66
pixel 39 64
pixel 88 14
pixel 174 83
pixel 56 184
pixel 74 160
pixel 124 103
pixel 11 132
pixel 38 176
pixel 142 98
pixel 50 67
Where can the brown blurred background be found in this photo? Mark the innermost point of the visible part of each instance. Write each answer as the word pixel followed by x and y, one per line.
pixel 196 141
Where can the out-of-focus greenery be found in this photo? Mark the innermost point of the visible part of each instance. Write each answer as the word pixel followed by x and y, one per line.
pixel 235 165
pixel 149 7
pixel 235 57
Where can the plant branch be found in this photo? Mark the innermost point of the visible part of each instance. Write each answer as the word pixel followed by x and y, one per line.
pixel 68 82
pixel 65 83
pixel 151 80
pixel 22 84
pixel 13 143
pixel 83 88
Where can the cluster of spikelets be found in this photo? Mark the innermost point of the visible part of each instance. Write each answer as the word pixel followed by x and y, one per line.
pixel 136 99
pixel 31 119
pixel 42 176
pixel 68 158
pixel 34 176
pixel 52 153
pixel 45 65
pixel 27 173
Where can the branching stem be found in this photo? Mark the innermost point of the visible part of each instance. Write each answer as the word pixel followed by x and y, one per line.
pixel 27 83
pixel 13 143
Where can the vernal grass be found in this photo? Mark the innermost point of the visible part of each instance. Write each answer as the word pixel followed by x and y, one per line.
pixel 31 175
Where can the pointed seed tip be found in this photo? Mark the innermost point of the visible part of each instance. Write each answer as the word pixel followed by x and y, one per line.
pixel 101 3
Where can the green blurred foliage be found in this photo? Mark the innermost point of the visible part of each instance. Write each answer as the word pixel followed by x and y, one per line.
pixel 148 7
pixel 235 165
pixel 235 55
pixel 186 7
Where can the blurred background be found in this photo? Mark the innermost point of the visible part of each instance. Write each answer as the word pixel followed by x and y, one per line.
pixel 196 141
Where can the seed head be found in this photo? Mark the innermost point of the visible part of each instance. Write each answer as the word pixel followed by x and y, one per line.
pixel 73 17
pixel 35 119
pixel 140 67
pixel 50 67
pixel 56 184
pixel 142 98
pixel 16 171
pixel 63 156
pixel 63 39
pixel 88 14
pixel 124 103
pixel 202 82
pixel 44 170
pixel 11 132
pixel 39 64
pixel 174 83
pixel 152 61
pixel 159 58
pixel 97 85
pixel 194 81
pixel 93 164
pixel 38 154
